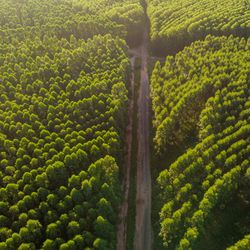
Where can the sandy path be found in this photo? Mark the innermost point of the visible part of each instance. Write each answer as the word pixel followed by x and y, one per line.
pixel 123 212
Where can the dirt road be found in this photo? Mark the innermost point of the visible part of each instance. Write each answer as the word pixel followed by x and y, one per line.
pixel 143 230
pixel 143 234
pixel 123 212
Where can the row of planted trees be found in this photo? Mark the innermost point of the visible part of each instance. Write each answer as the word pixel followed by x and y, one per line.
pixel 22 19
pixel 181 87
pixel 203 88
pixel 175 24
pixel 63 109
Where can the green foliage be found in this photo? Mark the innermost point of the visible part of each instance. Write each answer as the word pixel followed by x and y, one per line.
pixel 62 122
pixel 176 23
pixel 242 244
pixel 100 244
pixel 182 86
pixel 206 87
pixel 81 18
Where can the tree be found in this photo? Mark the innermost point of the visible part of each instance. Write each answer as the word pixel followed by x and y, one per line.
pixel 70 245
pixel 3 246
pixel 73 229
pixel 79 241
pixel 27 246
pixel 35 230
pixel 105 208
pixel 95 152
pixel 53 231
pixel 49 245
pixel 3 207
pixel 52 200
pixel 86 189
pixel 102 227
pixel 4 222
pixel 16 239
pixel 100 244
pixel 57 174
pixel 77 196
pixel 24 234
pixel 23 218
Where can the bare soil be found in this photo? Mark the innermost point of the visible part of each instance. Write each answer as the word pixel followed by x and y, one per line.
pixel 143 234
pixel 123 212
pixel 143 231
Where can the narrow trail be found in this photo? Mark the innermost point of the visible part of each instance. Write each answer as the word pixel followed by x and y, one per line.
pixel 143 234
pixel 123 212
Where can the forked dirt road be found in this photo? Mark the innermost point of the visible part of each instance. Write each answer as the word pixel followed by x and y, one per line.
pixel 123 212
pixel 143 234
